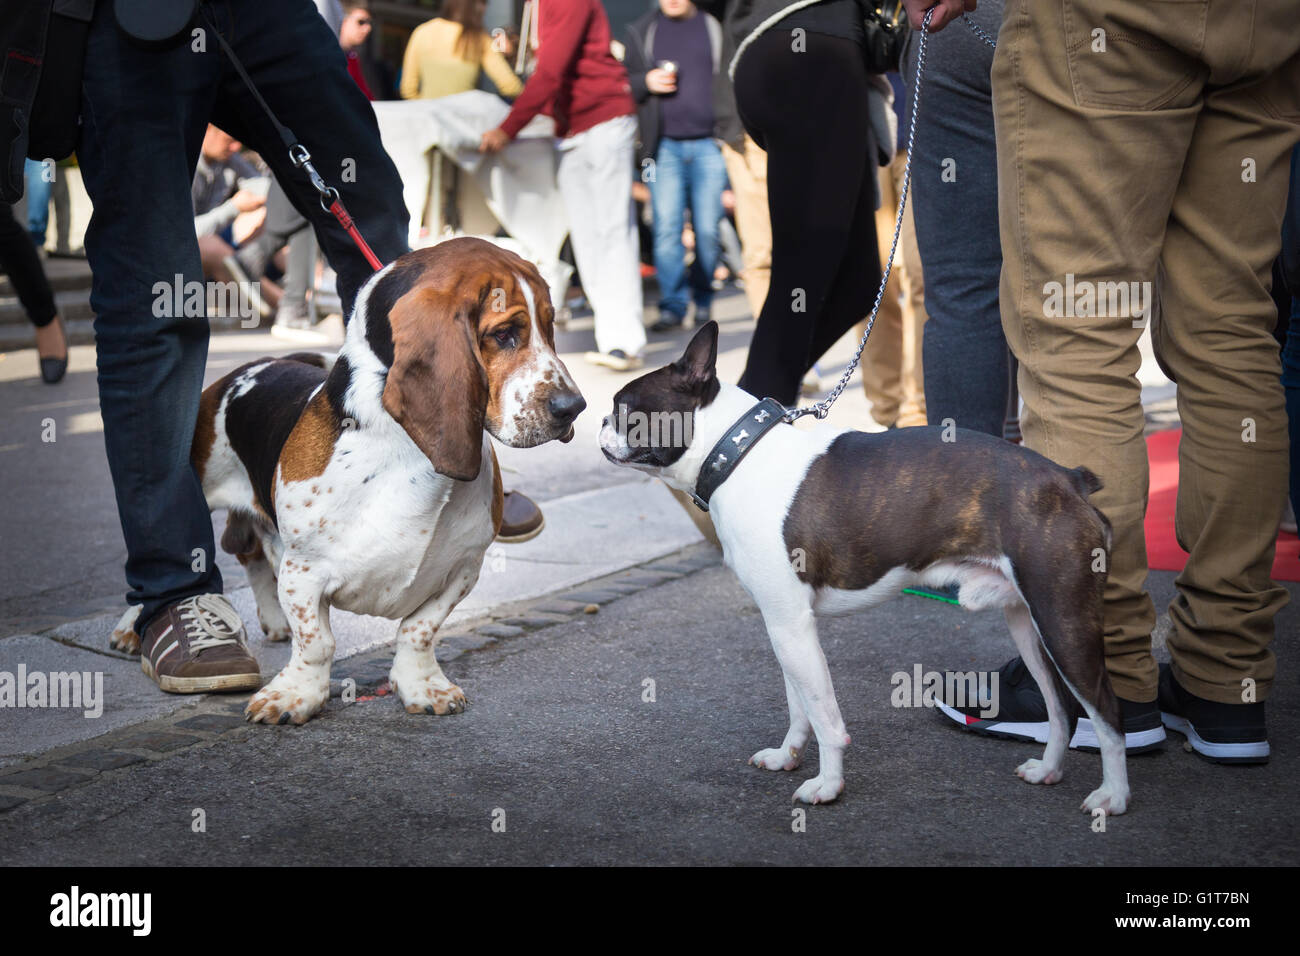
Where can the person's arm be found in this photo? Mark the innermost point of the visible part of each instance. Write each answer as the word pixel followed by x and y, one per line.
pixel 214 220
pixel 410 86
pixel 566 29
pixel 499 72
pixel 637 67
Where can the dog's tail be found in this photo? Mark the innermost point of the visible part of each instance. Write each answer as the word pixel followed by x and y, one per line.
pixel 1085 482
pixel 312 358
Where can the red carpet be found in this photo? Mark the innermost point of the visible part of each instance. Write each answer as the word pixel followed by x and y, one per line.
pixel 1163 552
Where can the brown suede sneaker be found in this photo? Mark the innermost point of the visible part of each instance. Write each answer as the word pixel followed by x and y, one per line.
pixel 197 645
pixel 521 519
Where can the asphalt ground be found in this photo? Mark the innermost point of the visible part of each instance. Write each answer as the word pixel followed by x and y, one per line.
pixel 562 759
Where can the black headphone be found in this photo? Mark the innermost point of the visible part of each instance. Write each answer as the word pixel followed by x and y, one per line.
pixel 155 23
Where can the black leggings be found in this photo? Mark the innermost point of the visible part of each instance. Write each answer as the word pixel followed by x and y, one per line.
pixel 18 258
pixel 808 109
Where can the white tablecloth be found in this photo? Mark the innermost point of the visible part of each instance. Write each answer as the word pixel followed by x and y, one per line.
pixel 518 182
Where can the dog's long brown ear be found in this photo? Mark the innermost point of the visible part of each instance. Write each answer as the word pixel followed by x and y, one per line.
pixel 437 387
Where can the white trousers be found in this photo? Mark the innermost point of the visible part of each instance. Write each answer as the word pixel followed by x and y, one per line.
pixel 595 180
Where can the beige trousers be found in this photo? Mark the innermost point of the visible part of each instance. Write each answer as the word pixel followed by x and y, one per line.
pixel 1143 151
pixel 747 171
pixel 892 374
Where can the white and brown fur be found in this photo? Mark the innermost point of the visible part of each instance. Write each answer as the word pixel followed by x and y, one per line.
pixel 832 521
pixel 371 484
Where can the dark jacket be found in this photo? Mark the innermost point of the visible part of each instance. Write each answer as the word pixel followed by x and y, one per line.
pixel 22 44
pixel 639 41
pixel 1291 230
pixel 39 107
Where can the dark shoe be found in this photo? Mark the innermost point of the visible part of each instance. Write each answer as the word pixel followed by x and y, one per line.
pixel 521 519
pixel 1022 714
pixel 1224 733
pixel 668 321
pixel 53 369
pixel 197 645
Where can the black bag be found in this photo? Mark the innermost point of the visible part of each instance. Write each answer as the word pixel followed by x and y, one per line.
pixel 22 44
pixel 885 26
pixel 57 108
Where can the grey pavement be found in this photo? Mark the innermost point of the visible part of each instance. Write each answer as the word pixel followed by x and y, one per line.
pixel 561 746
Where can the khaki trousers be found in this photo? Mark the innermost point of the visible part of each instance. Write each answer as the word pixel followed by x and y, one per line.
pixel 1148 143
pixel 892 375
pixel 747 171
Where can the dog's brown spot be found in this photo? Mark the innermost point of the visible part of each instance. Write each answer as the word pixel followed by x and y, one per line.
pixel 205 427
pixel 310 445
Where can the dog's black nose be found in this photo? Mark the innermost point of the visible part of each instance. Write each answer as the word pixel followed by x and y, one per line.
pixel 566 406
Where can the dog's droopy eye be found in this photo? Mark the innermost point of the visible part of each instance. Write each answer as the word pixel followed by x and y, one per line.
pixel 505 336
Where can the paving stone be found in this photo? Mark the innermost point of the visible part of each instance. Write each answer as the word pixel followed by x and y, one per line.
pixel 101 759
pixel 8 803
pixel 559 607
pixel 497 632
pixel 670 570
pixel 215 723
pixel 533 622
pixel 48 779
pixel 642 581
pixel 591 597
pixel 466 642
pixel 159 741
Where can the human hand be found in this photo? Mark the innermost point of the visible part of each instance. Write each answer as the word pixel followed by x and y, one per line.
pixel 246 200
pixel 945 11
pixel 247 225
pixel 493 141
pixel 661 81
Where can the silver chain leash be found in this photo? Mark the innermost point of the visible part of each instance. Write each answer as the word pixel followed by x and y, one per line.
pixel 821 409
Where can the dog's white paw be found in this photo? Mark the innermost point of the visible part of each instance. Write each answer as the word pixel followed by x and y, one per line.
pixel 820 789
pixel 288 699
pixel 774 758
pixel 274 625
pixel 1035 771
pixel 124 637
pixel 429 695
pixel 1113 803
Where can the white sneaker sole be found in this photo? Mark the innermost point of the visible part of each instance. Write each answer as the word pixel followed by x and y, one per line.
pixel 1085 738
pixel 1253 752
pixel 200 685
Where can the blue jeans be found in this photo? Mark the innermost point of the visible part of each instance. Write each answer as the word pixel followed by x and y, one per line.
pixel 139 145
pixel 967 362
pixel 686 170
pixel 38 200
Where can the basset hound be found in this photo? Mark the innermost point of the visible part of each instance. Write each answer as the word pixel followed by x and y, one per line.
pixel 370 483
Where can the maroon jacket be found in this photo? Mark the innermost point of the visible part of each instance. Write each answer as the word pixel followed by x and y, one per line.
pixel 577 80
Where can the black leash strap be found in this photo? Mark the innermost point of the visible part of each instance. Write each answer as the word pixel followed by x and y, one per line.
pixel 735 445
pixel 298 155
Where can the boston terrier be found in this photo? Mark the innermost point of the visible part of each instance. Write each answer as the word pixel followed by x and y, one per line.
pixel 829 520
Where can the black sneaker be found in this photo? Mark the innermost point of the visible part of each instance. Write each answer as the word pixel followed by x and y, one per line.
pixel 668 321
pixel 1224 733
pixel 1022 714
